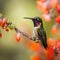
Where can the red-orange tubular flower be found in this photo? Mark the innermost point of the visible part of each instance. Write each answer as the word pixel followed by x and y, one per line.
pixel 36 47
pixel 51 42
pixel 7 29
pixel 39 5
pixel 47 17
pixel 58 44
pixel 58 9
pixel 54 3
pixel 4 22
pixel 0 34
pixel 18 37
pixel 57 19
pixel 43 6
pixel 50 53
pixel 54 30
pixel 0 21
pixel 41 0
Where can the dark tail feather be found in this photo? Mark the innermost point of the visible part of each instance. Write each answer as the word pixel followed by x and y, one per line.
pixel 44 43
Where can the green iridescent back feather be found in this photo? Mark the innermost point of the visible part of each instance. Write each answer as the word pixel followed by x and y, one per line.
pixel 42 36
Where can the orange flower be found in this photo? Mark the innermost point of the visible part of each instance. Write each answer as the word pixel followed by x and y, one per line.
pixel 39 5
pixel 58 9
pixel 54 30
pixel 0 21
pixel 45 11
pixel 36 57
pixel 4 22
pixel 57 19
pixel 58 43
pixel 43 7
pixel 58 39
pixel 50 53
pixel 18 37
pixel 54 3
pixel 41 0
pixel 51 42
pixel 7 29
pixel 46 7
pixel 0 34
pixel 47 17
pixel 35 47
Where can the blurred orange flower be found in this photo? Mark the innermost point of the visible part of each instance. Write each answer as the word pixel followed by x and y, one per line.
pixel 58 9
pixel 57 19
pixel 0 21
pixel 39 5
pixel 0 34
pixel 47 17
pixel 58 43
pixel 54 3
pixel 41 0
pixel 50 53
pixel 18 38
pixel 54 30
pixel 36 47
pixel 36 57
pixel 51 42
pixel 43 6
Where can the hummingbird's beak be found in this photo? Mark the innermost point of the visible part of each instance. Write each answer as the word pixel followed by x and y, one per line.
pixel 28 18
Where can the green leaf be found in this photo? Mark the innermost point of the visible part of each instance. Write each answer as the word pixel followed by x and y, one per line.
pixel 11 27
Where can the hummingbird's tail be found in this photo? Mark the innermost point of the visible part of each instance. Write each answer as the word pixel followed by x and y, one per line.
pixel 43 39
pixel 44 43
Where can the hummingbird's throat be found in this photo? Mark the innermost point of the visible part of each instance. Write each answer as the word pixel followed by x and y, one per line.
pixel 38 24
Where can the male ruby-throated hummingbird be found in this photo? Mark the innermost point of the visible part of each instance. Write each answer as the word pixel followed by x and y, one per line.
pixel 39 31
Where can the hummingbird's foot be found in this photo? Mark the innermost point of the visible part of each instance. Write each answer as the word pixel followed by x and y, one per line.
pixel 35 39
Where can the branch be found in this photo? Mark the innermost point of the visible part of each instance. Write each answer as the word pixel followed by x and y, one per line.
pixel 18 31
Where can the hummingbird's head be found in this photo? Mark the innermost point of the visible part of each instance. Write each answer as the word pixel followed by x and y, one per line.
pixel 36 20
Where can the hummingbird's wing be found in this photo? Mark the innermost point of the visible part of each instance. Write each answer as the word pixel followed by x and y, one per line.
pixel 42 37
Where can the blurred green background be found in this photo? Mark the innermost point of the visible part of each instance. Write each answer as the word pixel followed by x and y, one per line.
pixel 15 10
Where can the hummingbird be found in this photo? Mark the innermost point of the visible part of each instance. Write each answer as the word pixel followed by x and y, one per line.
pixel 39 31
